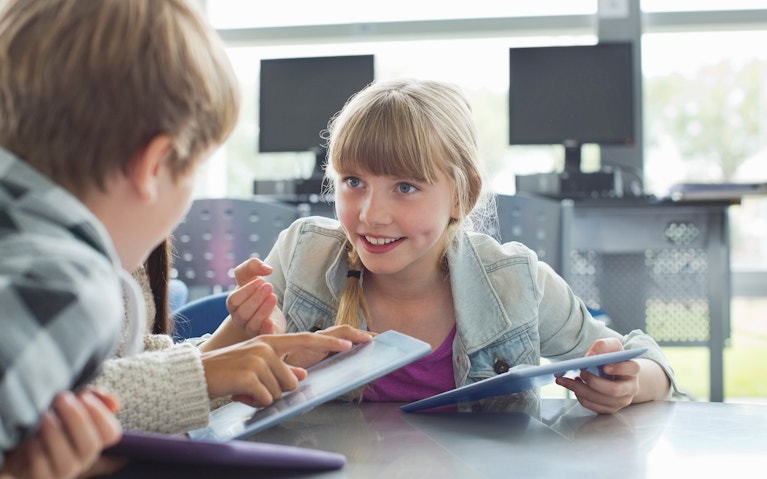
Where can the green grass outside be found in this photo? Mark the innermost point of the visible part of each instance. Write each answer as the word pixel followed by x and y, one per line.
pixel 745 358
pixel 743 373
pixel 743 367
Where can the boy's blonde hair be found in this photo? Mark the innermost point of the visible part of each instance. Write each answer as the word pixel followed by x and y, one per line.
pixel 85 85
pixel 407 129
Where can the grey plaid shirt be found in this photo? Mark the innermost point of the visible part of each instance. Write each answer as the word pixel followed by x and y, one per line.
pixel 61 299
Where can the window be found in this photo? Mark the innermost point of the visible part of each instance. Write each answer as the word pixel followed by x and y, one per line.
pixel 706 120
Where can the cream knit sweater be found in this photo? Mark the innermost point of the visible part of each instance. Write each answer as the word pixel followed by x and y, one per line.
pixel 162 389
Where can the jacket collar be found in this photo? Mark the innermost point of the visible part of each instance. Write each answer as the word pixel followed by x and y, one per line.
pixel 473 294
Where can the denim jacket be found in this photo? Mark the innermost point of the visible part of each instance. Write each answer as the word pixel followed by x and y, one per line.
pixel 508 305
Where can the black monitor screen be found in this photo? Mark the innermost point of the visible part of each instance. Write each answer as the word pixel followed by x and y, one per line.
pixel 298 96
pixel 571 95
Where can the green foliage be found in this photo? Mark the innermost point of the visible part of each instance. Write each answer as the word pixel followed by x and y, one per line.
pixel 714 118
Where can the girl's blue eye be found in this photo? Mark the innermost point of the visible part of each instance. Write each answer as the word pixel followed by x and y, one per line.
pixel 354 182
pixel 406 188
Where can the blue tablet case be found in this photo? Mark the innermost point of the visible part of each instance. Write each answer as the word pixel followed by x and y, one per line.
pixel 521 378
pixel 327 380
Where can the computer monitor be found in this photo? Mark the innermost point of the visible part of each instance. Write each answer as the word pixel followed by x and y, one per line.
pixel 572 95
pixel 298 96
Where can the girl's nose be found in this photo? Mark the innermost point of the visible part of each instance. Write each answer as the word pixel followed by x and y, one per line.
pixel 374 210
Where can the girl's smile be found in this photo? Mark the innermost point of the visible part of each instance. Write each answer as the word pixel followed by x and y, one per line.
pixel 379 245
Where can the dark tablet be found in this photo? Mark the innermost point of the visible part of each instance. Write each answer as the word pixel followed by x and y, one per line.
pixel 180 449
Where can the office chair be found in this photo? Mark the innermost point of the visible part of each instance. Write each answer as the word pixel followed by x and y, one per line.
pixel 217 234
pixel 178 294
pixel 200 316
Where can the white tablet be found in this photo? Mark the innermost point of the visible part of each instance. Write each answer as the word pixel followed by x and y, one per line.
pixel 521 378
pixel 327 380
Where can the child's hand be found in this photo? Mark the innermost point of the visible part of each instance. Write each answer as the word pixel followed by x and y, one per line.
pixel 308 358
pixel 603 395
pixel 253 304
pixel 70 439
pixel 253 371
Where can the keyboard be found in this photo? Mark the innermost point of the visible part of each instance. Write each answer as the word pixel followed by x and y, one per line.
pixel 715 191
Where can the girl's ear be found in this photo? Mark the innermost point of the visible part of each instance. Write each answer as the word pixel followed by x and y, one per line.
pixel 456 213
pixel 145 169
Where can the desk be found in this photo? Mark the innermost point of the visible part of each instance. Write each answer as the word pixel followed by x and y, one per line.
pixel 564 440
pixel 656 265
pixel 662 266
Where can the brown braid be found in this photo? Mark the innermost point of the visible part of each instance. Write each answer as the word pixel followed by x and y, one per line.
pixel 352 298
pixel 157 267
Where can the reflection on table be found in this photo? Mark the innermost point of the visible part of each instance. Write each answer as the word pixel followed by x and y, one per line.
pixel 553 438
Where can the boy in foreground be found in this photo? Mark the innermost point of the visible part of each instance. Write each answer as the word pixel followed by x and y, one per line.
pixel 107 111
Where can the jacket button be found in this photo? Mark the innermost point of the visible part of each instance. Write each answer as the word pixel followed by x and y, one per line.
pixel 500 366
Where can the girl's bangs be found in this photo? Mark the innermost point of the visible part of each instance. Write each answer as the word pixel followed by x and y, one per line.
pixel 385 147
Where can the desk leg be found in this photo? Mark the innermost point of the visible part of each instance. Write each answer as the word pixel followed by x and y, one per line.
pixel 719 298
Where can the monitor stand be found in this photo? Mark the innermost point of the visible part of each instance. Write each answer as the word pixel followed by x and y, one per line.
pixel 572 182
pixel 298 190
pixel 310 189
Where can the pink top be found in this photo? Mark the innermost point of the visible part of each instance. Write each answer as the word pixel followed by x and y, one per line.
pixel 430 375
